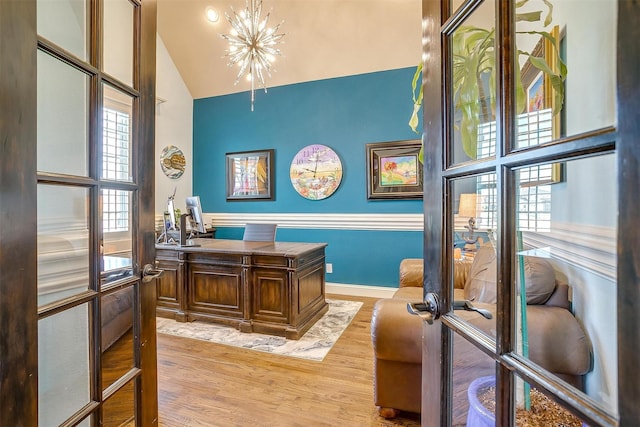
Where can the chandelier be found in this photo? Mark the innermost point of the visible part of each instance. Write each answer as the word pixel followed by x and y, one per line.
pixel 252 44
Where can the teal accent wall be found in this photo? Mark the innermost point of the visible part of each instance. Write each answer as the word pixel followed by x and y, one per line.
pixel 343 113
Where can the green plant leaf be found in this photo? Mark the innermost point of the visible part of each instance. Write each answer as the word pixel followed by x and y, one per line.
pixel 414 120
pixel 558 93
pixel 540 64
pixel 529 16
pixel 548 18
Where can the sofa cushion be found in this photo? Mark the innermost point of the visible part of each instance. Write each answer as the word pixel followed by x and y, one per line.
pixel 481 283
pixel 540 279
pixel 411 272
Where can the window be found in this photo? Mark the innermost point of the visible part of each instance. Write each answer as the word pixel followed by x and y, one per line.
pixel 115 166
pixel 534 196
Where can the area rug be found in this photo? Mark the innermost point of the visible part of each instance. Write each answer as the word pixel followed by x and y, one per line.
pixel 313 345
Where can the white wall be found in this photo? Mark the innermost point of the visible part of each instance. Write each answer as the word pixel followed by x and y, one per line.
pixel 174 126
pixel 589 195
pixel 590 35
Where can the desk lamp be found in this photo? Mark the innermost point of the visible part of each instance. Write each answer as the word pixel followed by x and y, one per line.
pixel 468 207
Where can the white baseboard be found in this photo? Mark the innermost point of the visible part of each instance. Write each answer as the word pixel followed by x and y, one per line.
pixel 359 290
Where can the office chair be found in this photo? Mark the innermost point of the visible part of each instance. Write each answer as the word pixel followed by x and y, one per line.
pixel 260 232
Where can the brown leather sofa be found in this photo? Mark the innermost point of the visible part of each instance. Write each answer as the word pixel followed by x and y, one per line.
pixel 557 342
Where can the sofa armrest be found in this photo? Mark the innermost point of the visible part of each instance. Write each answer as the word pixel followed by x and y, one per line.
pixel 411 272
pixel 395 334
pixel 557 342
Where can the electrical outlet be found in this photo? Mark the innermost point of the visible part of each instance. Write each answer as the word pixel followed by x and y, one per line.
pixel 329 268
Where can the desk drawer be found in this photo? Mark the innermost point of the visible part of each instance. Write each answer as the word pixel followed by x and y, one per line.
pixel 270 261
pixel 207 258
pixel 218 290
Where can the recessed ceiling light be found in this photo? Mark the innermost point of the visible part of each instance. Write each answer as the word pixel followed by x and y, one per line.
pixel 212 15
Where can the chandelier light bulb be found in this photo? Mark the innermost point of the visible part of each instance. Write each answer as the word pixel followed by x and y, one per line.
pixel 251 46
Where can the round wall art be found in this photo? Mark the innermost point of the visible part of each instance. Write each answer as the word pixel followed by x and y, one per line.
pixel 172 161
pixel 316 172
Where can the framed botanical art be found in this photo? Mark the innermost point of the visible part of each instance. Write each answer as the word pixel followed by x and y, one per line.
pixel 393 170
pixel 250 175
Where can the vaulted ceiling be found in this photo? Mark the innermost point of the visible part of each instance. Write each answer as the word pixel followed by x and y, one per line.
pixel 323 39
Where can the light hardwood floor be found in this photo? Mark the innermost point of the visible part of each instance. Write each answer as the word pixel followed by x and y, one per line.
pixel 207 384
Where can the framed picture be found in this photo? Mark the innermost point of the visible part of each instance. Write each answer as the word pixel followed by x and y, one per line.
pixel 539 124
pixel 537 85
pixel 250 175
pixel 393 170
pixel 535 94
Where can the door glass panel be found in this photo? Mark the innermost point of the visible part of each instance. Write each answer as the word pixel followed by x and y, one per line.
pixel 555 96
pixel 62 117
pixel 117 334
pixel 64 22
pixel 117 232
pixel 474 291
pixel 63 242
pixel 473 81
pixel 473 377
pixel 63 365
pixel 117 128
pixel 118 39
pixel 567 270
pixel 119 410
pixel 475 220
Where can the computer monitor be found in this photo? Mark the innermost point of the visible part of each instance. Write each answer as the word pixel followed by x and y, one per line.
pixel 195 211
pixel 171 222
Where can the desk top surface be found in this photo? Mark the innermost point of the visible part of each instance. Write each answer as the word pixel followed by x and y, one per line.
pixel 245 247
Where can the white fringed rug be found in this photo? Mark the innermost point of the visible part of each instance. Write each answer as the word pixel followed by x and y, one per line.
pixel 314 344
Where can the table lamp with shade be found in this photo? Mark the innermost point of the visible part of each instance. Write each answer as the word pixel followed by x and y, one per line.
pixel 468 208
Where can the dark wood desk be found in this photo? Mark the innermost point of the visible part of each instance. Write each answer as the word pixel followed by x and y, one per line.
pixel 275 288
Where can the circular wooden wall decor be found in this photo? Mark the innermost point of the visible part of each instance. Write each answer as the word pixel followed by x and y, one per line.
pixel 172 161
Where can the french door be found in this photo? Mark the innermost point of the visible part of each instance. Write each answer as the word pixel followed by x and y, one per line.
pixel 531 180
pixel 77 323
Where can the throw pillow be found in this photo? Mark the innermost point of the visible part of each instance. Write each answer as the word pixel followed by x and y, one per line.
pixel 540 279
pixel 481 282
